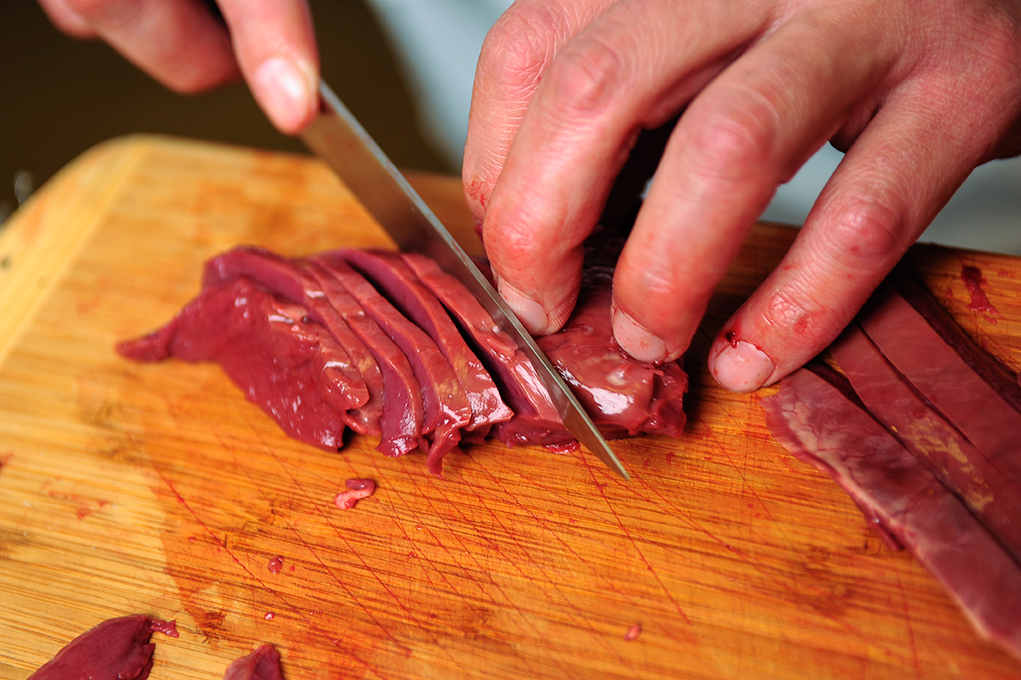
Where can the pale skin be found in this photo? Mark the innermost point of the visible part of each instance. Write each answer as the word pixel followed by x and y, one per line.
pixel 918 92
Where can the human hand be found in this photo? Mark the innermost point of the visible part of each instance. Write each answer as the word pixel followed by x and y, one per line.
pixel 182 45
pixel 918 92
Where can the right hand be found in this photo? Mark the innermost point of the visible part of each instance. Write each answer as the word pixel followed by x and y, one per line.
pixel 181 44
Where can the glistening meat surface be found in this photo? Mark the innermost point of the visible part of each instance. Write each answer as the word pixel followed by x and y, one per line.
pixel 392 345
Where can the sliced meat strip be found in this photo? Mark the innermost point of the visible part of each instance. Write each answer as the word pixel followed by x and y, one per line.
pixel 265 346
pixel 262 664
pixel 351 367
pixel 401 422
pixel 396 280
pixel 973 402
pixel 821 424
pixel 447 410
pixel 992 495
pixel 536 420
pixel 623 395
pixel 117 649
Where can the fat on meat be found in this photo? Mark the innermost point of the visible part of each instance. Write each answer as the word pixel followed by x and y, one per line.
pixel 820 421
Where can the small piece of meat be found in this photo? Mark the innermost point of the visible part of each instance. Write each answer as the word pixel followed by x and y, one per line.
pixel 266 347
pixel 820 423
pixel 284 278
pixel 357 489
pixel 394 278
pixel 992 494
pixel 536 420
pixel 117 649
pixel 447 410
pixel 262 664
pixel 633 633
pixel 623 395
pixel 401 421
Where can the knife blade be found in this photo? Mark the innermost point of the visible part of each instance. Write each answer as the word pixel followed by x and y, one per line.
pixel 340 140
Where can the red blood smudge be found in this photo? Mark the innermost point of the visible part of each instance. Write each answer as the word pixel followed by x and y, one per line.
pixel 973 281
pixel 276 564
pixel 168 628
pixel 731 337
pixel 357 489
pixel 669 458
pixel 633 633
pixel 269 616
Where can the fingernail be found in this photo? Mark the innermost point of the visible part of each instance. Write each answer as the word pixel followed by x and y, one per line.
pixel 529 312
pixel 285 90
pixel 636 340
pixel 742 367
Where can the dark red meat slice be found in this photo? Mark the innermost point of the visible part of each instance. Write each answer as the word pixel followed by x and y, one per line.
pixel 820 424
pixel 955 377
pixel 118 649
pixel 262 664
pixel 992 493
pixel 536 420
pixel 447 410
pixel 395 279
pixel 286 279
pixel 401 422
pixel 621 394
pixel 266 347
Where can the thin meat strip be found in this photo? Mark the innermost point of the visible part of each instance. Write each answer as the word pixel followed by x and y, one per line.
pixel 447 410
pixel 536 419
pixel 396 280
pixel 820 422
pixel 992 494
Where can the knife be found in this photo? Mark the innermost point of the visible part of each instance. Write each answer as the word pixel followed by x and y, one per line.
pixel 337 138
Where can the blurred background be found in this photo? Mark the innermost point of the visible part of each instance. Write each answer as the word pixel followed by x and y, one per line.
pixel 60 96
pixel 404 67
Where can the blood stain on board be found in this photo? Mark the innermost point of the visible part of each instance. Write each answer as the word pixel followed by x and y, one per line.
pixel 974 282
pixel 275 564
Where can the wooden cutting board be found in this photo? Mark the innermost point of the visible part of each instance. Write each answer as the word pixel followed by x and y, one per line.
pixel 158 489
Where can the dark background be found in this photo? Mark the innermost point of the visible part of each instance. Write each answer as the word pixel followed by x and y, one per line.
pixel 60 96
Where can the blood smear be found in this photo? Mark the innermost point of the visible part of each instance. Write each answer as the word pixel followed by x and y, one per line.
pixel 276 564
pixel 633 633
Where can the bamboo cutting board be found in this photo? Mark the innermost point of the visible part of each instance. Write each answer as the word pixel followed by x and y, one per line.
pixel 158 489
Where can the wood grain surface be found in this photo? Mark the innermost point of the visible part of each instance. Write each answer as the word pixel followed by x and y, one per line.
pixel 158 489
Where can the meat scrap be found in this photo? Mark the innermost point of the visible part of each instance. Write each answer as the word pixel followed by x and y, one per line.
pixel 388 344
pixel 117 649
pixel 262 664
pixel 357 489
pixel 823 424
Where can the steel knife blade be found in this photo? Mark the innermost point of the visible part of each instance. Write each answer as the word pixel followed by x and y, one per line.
pixel 340 140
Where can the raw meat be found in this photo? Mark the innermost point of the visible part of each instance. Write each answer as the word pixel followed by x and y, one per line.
pixel 991 492
pixel 262 664
pixel 389 344
pixel 357 489
pixel 118 649
pixel 819 421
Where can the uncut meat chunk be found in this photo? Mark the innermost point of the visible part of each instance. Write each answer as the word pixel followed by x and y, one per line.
pixel 262 664
pixel 401 422
pixel 394 278
pixel 267 349
pixel 623 395
pixel 536 420
pixel 992 494
pixel 286 279
pixel 819 421
pixel 447 410
pixel 117 649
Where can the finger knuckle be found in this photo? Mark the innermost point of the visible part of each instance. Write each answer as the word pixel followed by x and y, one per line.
pixel 867 229
pixel 740 140
pixel 587 76
pixel 518 48
pixel 111 13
